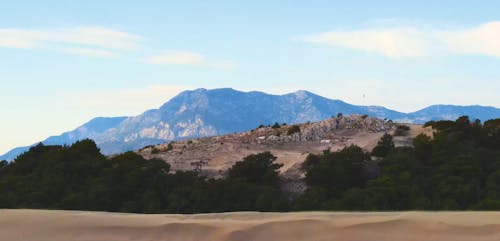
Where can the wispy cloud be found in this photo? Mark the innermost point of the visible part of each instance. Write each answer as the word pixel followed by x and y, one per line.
pixel 394 43
pixel 99 42
pixel 90 52
pixel 89 41
pixel 186 58
pixel 411 42
pixel 484 39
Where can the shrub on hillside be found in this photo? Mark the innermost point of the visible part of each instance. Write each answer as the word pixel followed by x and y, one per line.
pixel 293 129
pixel 402 130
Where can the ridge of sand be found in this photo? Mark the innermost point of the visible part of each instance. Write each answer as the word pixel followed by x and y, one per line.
pixel 41 225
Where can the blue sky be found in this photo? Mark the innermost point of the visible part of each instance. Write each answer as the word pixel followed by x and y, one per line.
pixel 64 62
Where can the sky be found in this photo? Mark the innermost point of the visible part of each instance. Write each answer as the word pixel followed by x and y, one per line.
pixel 64 62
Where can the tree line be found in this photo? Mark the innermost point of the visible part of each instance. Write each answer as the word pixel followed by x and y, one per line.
pixel 457 169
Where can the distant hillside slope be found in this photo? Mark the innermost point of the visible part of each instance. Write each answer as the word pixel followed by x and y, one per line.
pixel 90 130
pixel 452 112
pixel 203 112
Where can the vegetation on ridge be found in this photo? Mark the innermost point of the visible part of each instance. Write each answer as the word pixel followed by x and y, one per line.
pixel 459 169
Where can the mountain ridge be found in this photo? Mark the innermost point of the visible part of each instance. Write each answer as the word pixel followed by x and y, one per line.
pixel 203 112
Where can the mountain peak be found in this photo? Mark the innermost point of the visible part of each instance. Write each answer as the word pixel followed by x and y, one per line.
pixel 227 89
pixel 208 112
pixel 198 90
pixel 302 93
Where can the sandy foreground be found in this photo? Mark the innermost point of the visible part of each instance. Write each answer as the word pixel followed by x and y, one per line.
pixel 43 225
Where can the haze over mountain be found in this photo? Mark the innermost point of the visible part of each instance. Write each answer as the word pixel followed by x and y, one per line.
pixel 202 112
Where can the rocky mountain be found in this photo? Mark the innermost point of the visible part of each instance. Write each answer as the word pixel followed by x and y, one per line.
pixel 202 112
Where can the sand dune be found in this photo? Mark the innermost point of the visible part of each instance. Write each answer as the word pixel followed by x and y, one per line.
pixel 43 225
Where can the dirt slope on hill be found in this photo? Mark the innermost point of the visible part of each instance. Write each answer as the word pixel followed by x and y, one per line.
pixel 217 154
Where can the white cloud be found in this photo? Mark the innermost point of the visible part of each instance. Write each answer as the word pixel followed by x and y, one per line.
pixel 394 43
pixel 15 38
pixel 413 42
pixel 100 37
pixel 186 58
pixel 484 40
pixel 98 42
pixel 89 41
pixel 90 52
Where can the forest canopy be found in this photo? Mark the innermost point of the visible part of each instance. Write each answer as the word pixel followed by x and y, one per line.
pixel 457 169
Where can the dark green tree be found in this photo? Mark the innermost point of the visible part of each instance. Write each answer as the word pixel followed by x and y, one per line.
pixel 384 146
pixel 337 171
pixel 257 168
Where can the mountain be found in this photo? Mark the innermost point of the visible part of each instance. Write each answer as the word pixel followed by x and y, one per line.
pixel 90 129
pixel 452 112
pixel 202 112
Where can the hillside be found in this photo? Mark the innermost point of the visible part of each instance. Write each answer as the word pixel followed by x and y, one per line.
pixel 455 167
pixel 213 156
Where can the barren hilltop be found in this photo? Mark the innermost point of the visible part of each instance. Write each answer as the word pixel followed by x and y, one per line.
pixel 291 144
